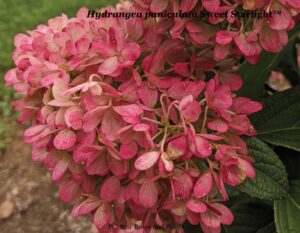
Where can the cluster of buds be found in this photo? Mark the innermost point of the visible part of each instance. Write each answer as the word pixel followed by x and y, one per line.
pixel 138 120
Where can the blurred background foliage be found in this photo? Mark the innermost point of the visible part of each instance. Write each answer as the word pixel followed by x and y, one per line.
pixel 19 16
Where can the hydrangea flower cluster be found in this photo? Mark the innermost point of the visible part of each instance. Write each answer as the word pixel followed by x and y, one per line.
pixel 138 120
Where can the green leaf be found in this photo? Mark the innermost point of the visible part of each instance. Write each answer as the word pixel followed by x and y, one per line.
pixel 279 121
pixel 251 217
pixel 287 211
pixel 255 76
pixel 271 179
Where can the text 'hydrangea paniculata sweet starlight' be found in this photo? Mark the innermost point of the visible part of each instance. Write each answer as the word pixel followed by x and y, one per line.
pixel 138 120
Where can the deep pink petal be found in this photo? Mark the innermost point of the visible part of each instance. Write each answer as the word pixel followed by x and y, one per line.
pixel 110 189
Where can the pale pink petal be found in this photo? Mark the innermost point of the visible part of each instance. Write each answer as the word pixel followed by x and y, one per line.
pixel 60 169
pixel 147 160
pixel 132 110
pixel 109 66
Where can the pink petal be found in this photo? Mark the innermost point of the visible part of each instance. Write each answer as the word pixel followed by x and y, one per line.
pixel 85 207
pixel 60 169
pixel 211 5
pixel 190 108
pixel 110 189
pixel 135 28
pixel 182 69
pixel 73 117
pixel 148 194
pixel 218 125
pixel 65 139
pixel 220 52
pixel 109 66
pixel 177 147
pixel 128 151
pixel 243 105
pixel 141 127
pixel 247 48
pixel 211 219
pixel 207 229
pixel 227 216
pixel 250 171
pixel 103 215
pixel 146 160
pixel 274 45
pixel 293 3
pixel 148 95
pixel 68 191
pixel 196 206
pixel 234 81
pixel 132 110
pixel 103 48
pixel 183 186
pixel 279 21
pixel 111 124
pixel 188 5
pixel 192 217
pixel 224 37
pixel 92 119
pixel 203 185
pixel 202 146
pixel 240 123
pixel 158 5
pixel 97 166
pixel 131 52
